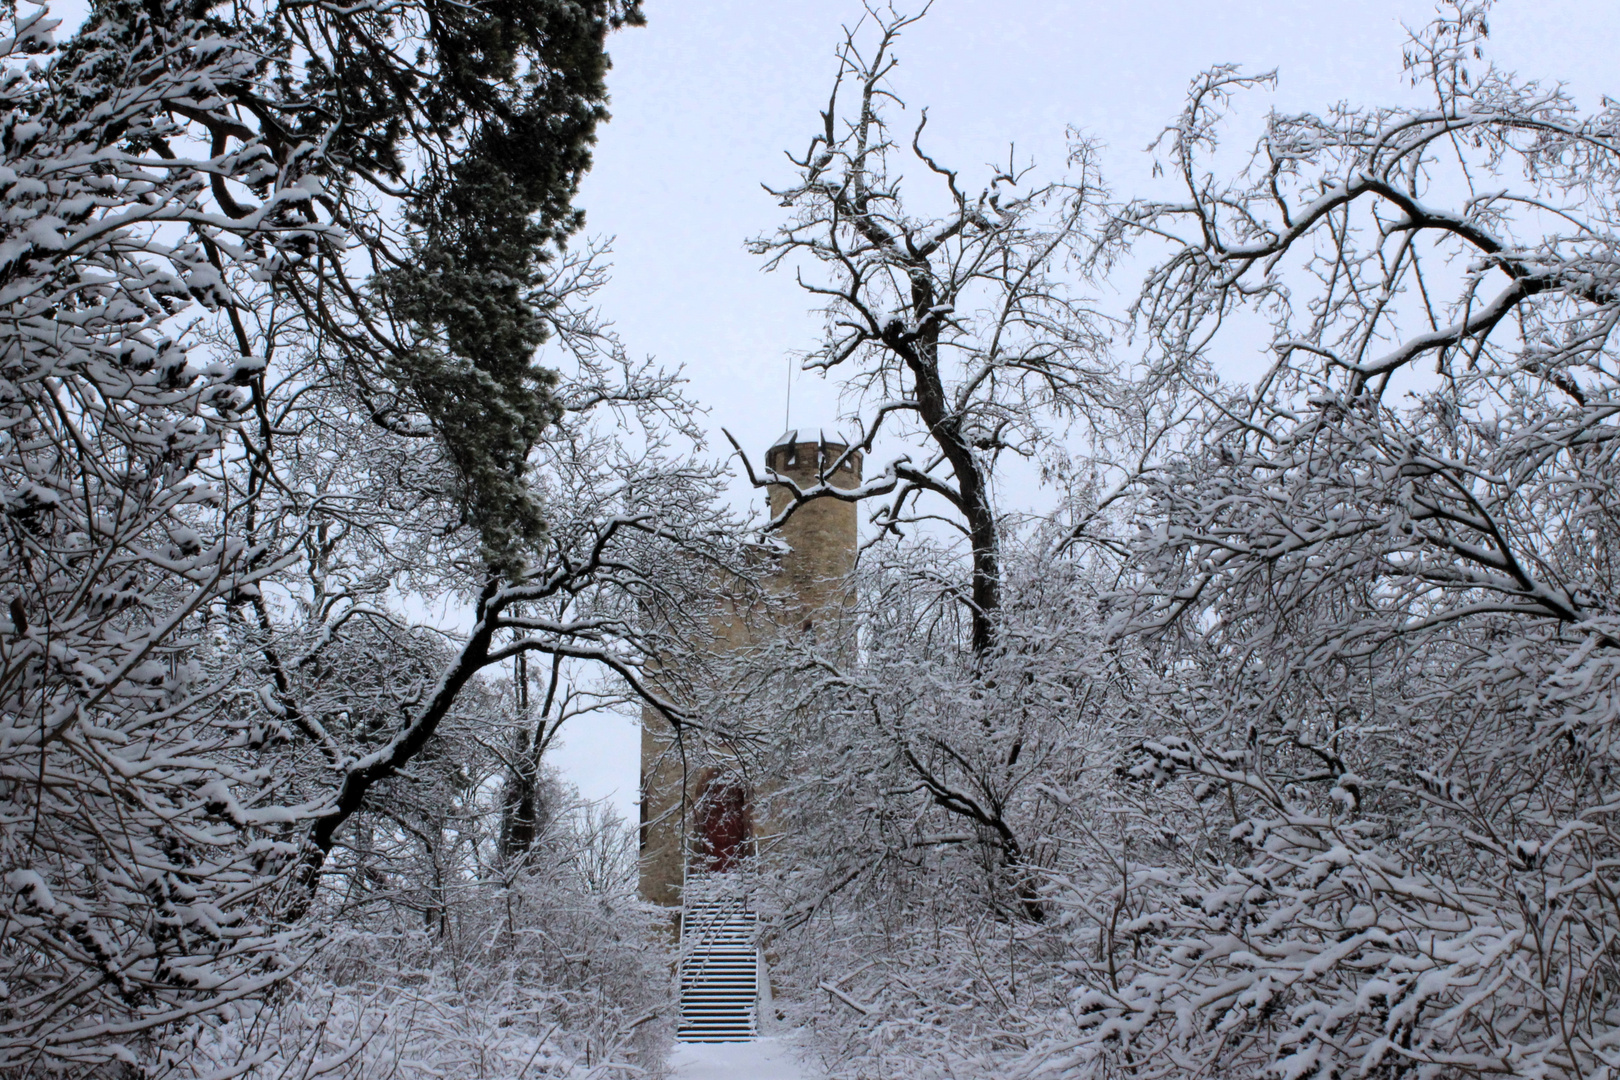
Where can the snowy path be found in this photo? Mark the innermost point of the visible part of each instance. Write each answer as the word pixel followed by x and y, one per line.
pixel 762 1059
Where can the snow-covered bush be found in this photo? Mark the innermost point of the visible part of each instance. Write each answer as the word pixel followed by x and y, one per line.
pixel 925 810
pixel 553 969
pixel 131 873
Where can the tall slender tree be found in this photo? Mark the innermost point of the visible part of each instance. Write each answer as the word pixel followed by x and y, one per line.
pixel 964 337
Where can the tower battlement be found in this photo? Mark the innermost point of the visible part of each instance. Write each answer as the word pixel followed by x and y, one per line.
pixel 822 535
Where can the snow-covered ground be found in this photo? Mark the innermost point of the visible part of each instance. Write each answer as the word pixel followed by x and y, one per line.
pixel 762 1059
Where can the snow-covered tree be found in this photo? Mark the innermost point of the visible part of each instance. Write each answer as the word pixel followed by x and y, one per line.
pixel 957 326
pixel 1368 828
pixel 275 277
pixel 955 329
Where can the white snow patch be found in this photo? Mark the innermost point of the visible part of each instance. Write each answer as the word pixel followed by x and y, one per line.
pixel 762 1059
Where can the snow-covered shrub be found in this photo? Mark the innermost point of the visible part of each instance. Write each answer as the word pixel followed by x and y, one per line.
pixel 135 853
pixel 925 810
pixel 554 969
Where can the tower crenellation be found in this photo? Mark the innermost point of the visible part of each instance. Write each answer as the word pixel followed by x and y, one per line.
pixel 822 534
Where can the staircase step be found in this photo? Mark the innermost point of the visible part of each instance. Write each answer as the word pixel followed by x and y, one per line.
pixel 719 965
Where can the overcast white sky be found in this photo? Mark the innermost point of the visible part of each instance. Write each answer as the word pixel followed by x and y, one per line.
pixel 708 95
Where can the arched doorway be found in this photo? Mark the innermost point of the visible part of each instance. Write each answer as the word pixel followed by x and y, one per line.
pixel 724 832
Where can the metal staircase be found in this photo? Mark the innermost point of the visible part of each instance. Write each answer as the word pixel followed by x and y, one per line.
pixel 719 965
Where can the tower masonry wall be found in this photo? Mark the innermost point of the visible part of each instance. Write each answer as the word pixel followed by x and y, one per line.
pixel 813 584
pixel 816 576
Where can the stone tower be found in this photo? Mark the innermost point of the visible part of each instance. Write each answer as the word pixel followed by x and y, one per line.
pixel 704 819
